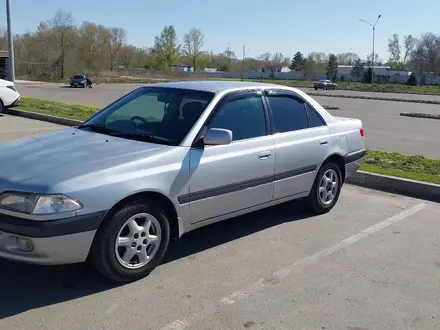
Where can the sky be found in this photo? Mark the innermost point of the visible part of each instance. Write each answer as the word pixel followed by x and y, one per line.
pixel 285 26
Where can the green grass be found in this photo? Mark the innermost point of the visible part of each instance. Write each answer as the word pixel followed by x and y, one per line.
pixel 57 109
pixel 404 166
pixel 394 164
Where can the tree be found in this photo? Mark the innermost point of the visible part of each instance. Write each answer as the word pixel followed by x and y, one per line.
pixel 348 58
pixel 377 60
pixel 298 62
pixel 358 69
pixel 409 43
pixel 309 67
pixel 59 34
pixel 368 75
pixel 115 39
pixel 192 44
pixel 126 56
pixel 166 50
pixel 332 67
pixel 395 49
pixel 92 48
pixel 426 55
pixel 412 80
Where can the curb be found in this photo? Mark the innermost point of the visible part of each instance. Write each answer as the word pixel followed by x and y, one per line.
pixel 39 116
pixel 420 115
pixel 360 97
pixel 330 107
pixel 407 187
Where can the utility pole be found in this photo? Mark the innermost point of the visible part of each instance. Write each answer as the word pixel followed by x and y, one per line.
pixel 242 63
pixel 10 42
pixel 372 58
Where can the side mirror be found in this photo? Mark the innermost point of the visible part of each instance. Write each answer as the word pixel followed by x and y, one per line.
pixel 217 137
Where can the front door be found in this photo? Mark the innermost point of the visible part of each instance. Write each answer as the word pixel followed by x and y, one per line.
pixel 229 178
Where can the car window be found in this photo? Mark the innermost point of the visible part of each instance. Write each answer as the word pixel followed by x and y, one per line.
pixel 314 119
pixel 288 114
pixel 146 106
pixel 154 111
pixel 244 117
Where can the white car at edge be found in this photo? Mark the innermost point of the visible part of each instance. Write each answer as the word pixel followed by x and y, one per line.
pixel 9 97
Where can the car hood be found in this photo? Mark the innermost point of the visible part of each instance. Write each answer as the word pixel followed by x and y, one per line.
pixel 51 158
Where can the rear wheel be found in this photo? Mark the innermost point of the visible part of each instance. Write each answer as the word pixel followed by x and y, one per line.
pixel 326 189
pixel 2 107
pixel 132 242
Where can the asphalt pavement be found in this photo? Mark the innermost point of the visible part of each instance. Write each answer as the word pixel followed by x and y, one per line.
pixel 385 130
pixel 371 263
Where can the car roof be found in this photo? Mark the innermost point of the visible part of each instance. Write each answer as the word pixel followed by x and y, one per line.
pixel 216 86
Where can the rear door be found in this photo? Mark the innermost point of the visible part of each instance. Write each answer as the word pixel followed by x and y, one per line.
pixel 301 139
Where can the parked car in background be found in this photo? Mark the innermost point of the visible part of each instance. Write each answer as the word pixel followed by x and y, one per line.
pixel 78 80
pixel 325 84
pixel 164 160
pixel 9 97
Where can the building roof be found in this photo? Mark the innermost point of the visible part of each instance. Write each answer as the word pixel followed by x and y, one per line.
pixel 214 85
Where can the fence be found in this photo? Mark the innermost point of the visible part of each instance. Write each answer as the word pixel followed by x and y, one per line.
pixel 144 73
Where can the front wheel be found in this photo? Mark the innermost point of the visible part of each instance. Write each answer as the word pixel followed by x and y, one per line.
pixel 2 107
pixel 132 242
pixel 326 189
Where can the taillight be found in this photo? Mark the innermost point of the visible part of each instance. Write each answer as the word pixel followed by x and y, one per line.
pixel 361 131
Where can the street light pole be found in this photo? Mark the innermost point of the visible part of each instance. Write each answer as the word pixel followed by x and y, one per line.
pixel 242 62
pixel 372 58
pixel 10 42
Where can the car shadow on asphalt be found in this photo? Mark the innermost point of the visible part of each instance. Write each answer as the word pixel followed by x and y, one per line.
pixel 25 287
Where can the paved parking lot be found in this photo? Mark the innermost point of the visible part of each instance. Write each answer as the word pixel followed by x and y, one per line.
pixel 371 263
pixel 12 128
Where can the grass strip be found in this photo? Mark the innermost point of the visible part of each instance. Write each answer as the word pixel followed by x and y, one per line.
pixel 388 163
pixel 57 109
pixel 403 166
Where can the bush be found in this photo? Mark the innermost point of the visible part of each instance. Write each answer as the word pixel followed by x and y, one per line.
pixel 412 80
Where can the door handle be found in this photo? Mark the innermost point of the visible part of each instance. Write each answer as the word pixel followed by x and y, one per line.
pixel 264 155
pixel 323 141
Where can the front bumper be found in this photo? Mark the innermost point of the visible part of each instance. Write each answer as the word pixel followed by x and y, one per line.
pixel 16 103
pixel 54 242
pixel 353 162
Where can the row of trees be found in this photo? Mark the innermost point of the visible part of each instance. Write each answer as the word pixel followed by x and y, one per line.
pixel 59 48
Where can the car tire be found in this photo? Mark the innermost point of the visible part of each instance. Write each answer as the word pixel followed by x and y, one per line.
pixel 316 88
pixel 2 107
pixel 116 241
pixel 318 195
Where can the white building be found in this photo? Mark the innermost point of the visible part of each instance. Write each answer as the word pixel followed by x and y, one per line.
pixel 271 69
pixel 384 73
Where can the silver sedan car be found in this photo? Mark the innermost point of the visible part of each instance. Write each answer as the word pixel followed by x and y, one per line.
pixel 163 160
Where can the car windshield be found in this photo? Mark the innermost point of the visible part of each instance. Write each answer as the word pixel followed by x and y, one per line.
pixel 78 77
pixel 156 114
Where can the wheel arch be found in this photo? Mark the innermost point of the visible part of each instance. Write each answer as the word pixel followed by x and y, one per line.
pixel 338 160
pixel 175 227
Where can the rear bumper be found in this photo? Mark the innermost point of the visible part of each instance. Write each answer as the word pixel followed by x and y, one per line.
pixel 53 242
pixel 353 162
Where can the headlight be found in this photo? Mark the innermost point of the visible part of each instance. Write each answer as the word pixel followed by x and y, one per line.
pixel 38 204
